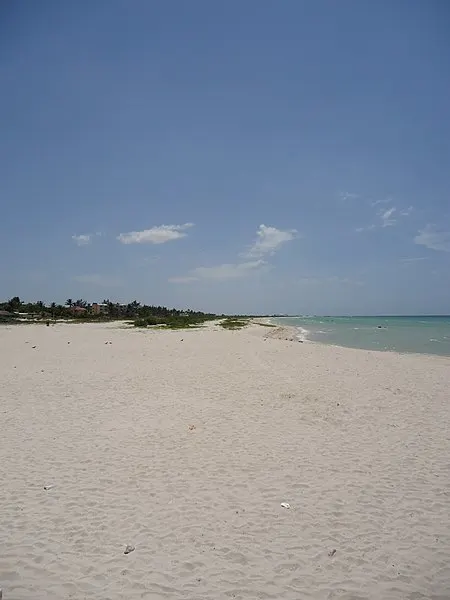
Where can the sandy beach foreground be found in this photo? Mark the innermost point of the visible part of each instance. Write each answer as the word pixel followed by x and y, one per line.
pixel 184 445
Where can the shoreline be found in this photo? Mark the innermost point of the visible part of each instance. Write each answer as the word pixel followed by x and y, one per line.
pixel 304 333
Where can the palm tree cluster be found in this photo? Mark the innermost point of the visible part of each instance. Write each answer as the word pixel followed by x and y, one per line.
pixel 143 314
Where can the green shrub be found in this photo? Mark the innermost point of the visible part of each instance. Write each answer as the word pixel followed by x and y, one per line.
pixel 233 323
pixel 170 322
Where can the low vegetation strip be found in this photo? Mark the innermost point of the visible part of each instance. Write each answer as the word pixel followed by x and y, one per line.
pixel 173 322
pixel 234 323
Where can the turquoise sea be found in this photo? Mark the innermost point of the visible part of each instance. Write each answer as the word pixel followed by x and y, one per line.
pixel 424 335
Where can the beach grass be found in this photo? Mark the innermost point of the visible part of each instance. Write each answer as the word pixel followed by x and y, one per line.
pixel 179 322
pixel 234 323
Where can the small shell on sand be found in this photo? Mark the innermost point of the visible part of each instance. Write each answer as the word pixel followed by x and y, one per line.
pixel 129 549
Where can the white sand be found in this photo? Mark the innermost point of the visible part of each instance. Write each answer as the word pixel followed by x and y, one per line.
pixel 356 442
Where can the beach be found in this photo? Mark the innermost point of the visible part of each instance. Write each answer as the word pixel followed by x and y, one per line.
pixel 235 464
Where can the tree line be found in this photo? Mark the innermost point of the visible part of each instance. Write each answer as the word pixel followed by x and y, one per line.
pixel 141 314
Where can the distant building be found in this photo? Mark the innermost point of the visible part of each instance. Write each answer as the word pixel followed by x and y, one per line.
pixel 99 308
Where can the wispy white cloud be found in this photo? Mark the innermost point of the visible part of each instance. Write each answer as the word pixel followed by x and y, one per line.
pixel 83 239
pixel 155 235
pixel 380 201
pixel 348 196
pixel 413 259
pixel 221 272
pixel 98 280
pixel 268 241
pixel 368 228
pixel 387 220
pixel 432 238
pixel 407 211
pixel 364 199
pixel 228 271
pixel 334 279
pixel 386 217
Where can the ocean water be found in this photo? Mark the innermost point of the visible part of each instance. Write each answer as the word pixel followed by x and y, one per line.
pixel 424 335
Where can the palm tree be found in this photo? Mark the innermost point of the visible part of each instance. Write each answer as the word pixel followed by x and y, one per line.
pixel 112 309
pixel 132 308
pixel 14 304
pixel 69 302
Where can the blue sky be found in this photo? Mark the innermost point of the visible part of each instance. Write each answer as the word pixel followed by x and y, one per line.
pixel 253 156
